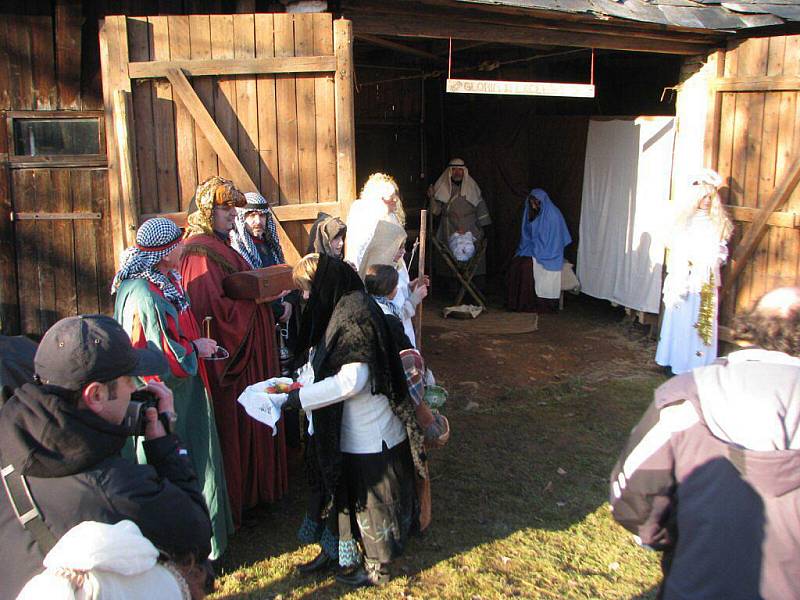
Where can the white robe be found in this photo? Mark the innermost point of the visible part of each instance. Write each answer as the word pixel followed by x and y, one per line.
pixel 695 254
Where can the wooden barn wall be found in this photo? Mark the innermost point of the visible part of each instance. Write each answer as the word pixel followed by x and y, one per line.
pixel 759 138
pixel 50 60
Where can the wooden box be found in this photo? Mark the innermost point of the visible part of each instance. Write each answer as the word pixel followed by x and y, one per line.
pixel 259 284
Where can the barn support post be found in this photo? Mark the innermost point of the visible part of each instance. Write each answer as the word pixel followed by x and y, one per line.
pixel 345 115
pixel 114 65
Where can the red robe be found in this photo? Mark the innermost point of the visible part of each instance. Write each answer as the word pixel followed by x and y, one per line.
pixel 255 461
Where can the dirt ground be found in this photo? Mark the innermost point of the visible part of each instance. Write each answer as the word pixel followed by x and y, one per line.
pixel 588 337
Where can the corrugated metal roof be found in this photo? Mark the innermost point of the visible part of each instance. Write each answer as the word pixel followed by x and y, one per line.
pixel 703 14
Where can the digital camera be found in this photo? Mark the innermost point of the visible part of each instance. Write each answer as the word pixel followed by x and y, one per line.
pixel 135 420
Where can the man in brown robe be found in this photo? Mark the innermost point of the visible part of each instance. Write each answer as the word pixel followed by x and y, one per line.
pixel 456 200
pixel 255 461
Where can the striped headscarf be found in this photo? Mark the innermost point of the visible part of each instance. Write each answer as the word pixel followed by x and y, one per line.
pixel 214 191
pixel 155 239
pixel 242 241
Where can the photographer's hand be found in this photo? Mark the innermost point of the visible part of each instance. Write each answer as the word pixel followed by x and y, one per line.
pixel 166 404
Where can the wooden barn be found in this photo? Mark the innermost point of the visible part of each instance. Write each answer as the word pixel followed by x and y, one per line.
pixel 113 111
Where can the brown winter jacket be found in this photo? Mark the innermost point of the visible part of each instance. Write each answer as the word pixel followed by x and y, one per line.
pixel 711 476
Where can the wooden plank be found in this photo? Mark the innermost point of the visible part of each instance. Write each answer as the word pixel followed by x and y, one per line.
pixel 21 68
pixel 64 266
pixel 402 48
pixel 285 214
pixel 9 299
pixel 46 255
pixel 286 102
pixel 143 117
pixel 757 84
pixel 306 114
pixel 519 88
pixel 26 250
pixel 129 191
pixel 225 91
pixel 246 98
pixel 345 115
pixel 404 25
pixel 228 158
pixel 200 36
pixel 43 59
pixel 101 202
pixel 724 153
pixel 325 112
pixel 745 249
pixel 238 66
pixel 86 272
pixel 186 155
pixel 55 216
pixel 114 64
pixel 68 22
pixel 164 121
pixel 267 113
pixel 746 214
pixel 711 141
pixel 5 65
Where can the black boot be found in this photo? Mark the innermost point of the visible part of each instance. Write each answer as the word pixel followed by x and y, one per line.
pixel 367 574
pixel 320 563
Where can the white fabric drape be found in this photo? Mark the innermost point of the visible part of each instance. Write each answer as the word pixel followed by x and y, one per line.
pixel 625 205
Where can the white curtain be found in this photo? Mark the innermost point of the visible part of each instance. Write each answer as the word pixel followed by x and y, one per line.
pixel 625 204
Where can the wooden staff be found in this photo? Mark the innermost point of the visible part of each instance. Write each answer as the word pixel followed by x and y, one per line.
pixel 423 231
pixel 207 326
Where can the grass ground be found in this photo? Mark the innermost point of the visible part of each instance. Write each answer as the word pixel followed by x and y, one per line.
pixel 519 505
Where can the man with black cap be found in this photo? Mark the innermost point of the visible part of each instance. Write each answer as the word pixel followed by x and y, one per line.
pixel 60 439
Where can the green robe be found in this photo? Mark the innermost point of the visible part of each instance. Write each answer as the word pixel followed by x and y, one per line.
pixel 152 320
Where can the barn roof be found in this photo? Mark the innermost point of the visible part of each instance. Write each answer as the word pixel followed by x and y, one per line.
pixel 701 14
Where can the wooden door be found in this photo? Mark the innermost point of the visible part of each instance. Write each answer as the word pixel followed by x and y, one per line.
pixel 262 99
pixel 753 141
pixel 62 244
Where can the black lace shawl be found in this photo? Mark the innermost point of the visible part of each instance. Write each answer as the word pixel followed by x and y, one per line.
pixel 345 325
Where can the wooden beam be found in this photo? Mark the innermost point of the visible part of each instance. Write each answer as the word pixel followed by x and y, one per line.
pixel 220 145
pixel 756 84
pixel 240 66
pixel 713 113
pixel 746 214
pixel 114 65
pixel 284 213
pixel 384 43
pixel 345 115
pixel 751 240
pixel 555 35
pixel 129 177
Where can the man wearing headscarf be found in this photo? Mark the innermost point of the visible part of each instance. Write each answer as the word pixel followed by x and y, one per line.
pixel 154 310
pixel 456 200
pixel 255 461
pixel 534 279
pixel 255 237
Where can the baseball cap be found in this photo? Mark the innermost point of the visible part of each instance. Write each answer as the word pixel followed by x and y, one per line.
pixel 78 350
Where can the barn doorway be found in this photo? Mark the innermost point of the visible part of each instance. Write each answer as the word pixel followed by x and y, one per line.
pixel 407 125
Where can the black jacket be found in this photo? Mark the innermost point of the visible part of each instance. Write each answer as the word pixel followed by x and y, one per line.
pixel 71 461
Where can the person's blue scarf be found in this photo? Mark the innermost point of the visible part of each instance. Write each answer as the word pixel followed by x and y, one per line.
pixel 547 235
